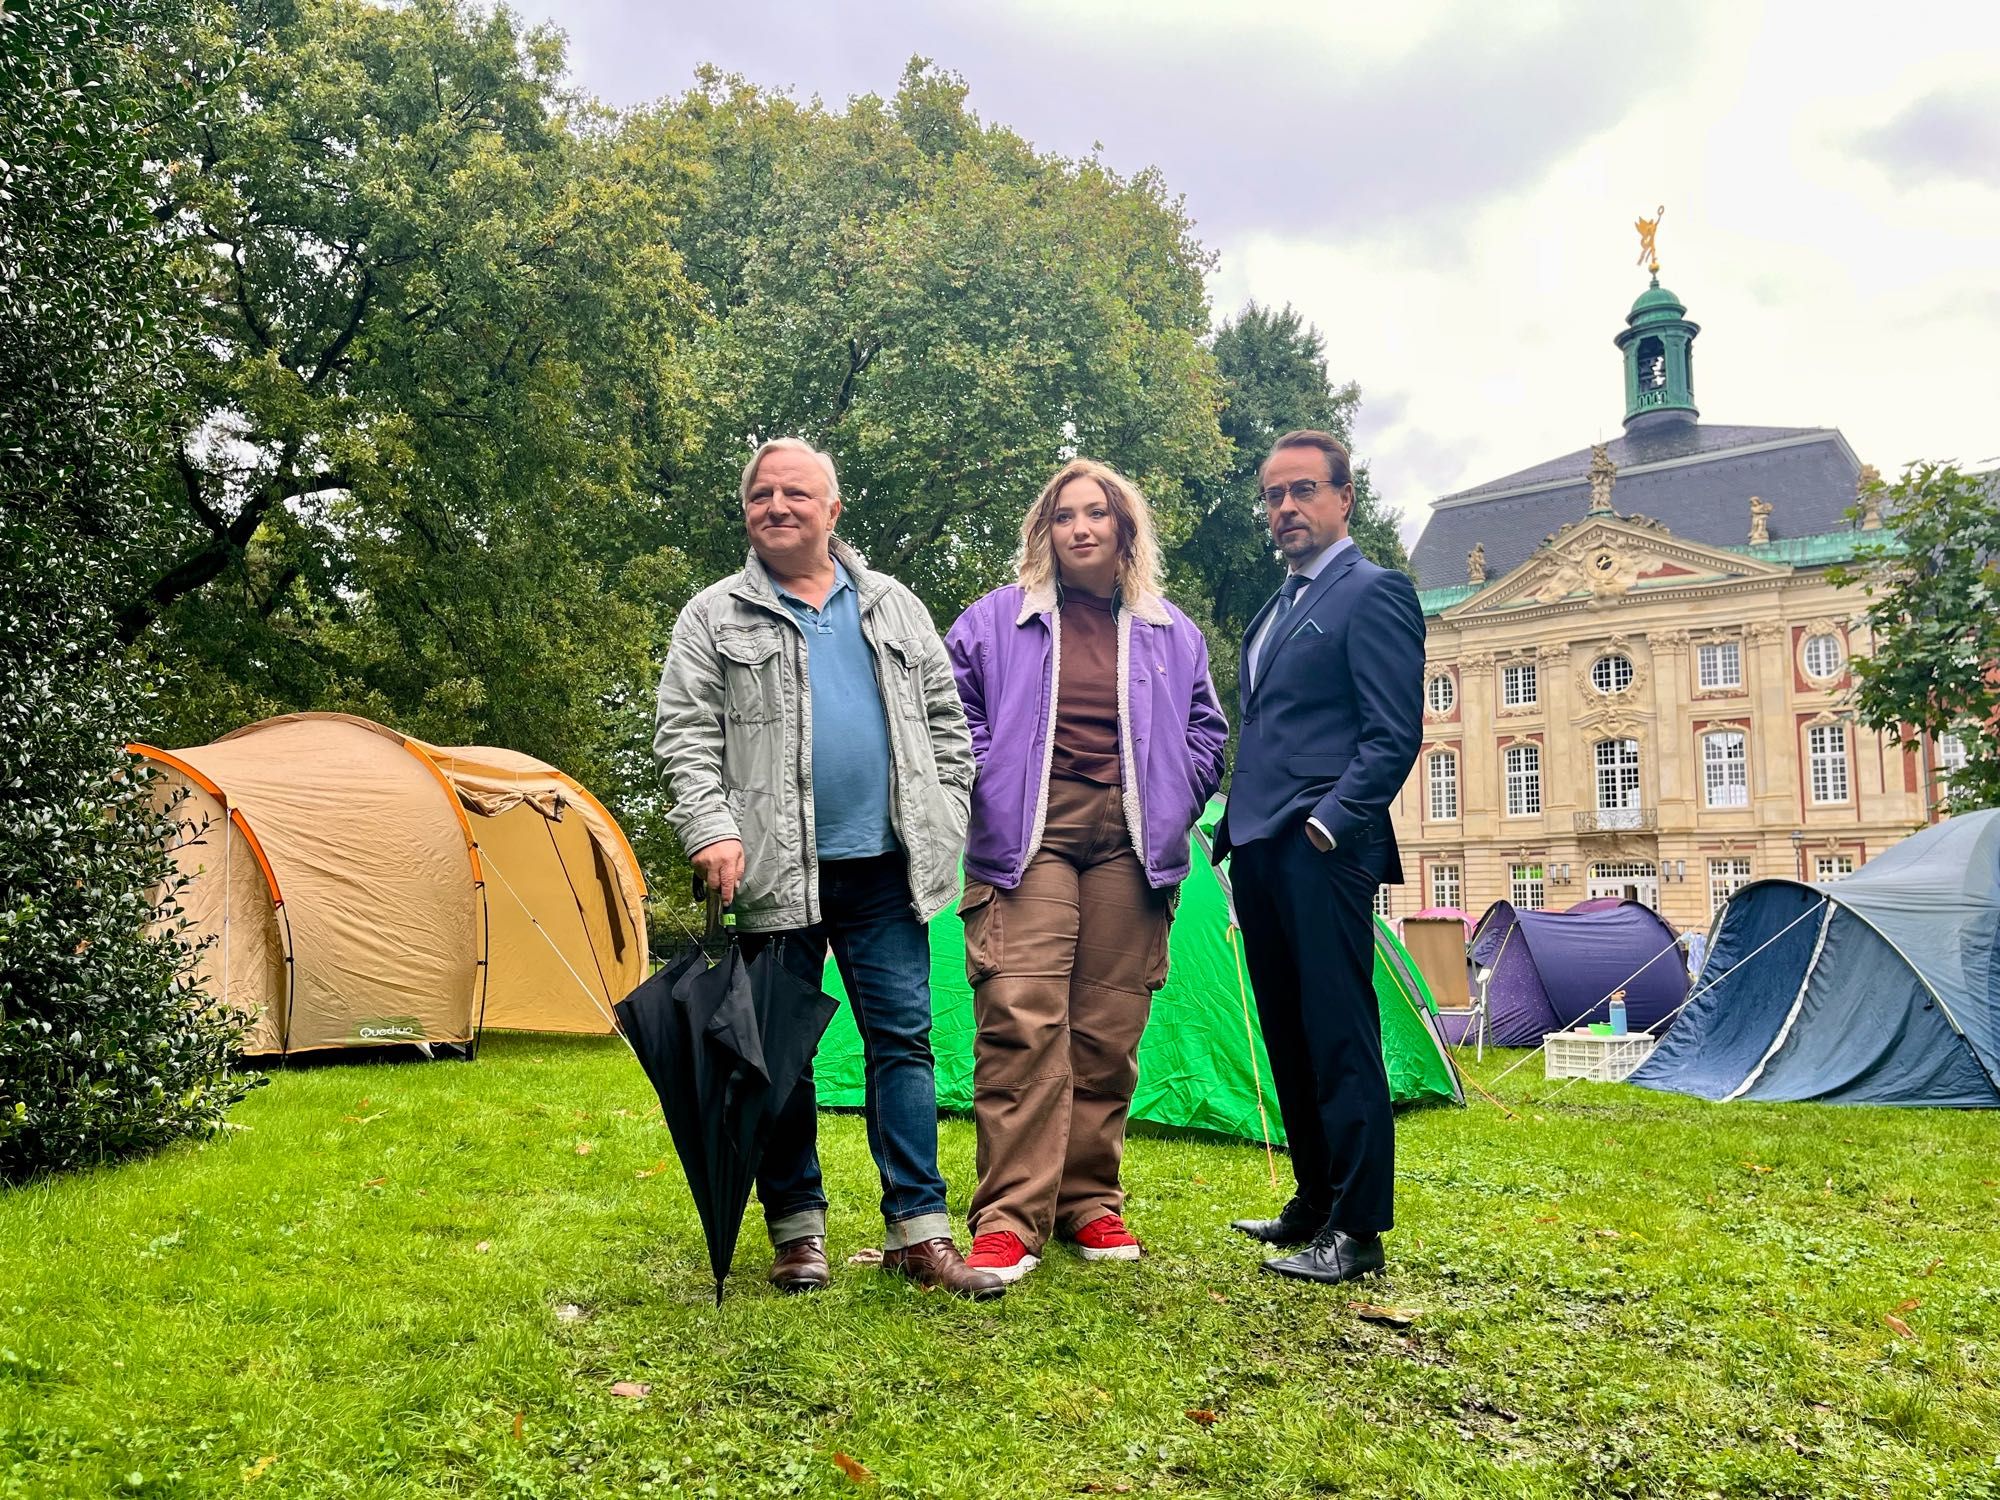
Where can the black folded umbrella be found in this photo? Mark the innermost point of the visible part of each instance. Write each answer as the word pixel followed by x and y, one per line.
pixel 724 1046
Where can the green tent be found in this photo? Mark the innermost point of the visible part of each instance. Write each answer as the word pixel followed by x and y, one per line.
pixel 1196 1058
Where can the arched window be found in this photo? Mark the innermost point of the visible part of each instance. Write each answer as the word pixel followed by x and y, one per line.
pixel 1617 783
pixel 1652 364
pixel 1725 768
pixel 1524 781
pixel 1442 772
pixel 1441 693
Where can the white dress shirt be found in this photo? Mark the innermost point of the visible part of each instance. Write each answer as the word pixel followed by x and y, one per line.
pixel 1311 570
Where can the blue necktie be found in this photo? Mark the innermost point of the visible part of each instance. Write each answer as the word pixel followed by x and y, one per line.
pixel 1288 595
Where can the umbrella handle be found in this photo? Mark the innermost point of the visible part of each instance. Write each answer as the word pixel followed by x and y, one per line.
pixel 714 928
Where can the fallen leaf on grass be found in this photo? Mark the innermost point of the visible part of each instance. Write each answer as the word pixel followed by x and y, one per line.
pixel 364 1119
pixel 1758 1167
pixel 1200 1179
pixel 1909 1304
pixel 1218 1297
pixel 644 1172
pixel 623 1114
pixel 630 1388
pixel 1927 1270
pixel 1394 1317
pixel 1608 1234
pixel 255 1471
pixel 519 1418
pixel 854 1469
pixel 1201 1416
pixel 869 1257
pixel 1898 1326
pixel 376 1182
pixel 583 1148
pixel 1549 1219
pixel 569 1312
pixel 482 1247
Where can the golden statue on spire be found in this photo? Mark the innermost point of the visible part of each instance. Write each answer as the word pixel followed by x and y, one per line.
pixel 1649 256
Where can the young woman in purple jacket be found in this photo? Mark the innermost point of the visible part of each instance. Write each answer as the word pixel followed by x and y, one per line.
pixel 1099 741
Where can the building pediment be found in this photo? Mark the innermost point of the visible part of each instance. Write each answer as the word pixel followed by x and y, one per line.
pixel 1601 560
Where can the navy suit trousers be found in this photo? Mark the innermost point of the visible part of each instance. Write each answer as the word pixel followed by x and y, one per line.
pixel 1309 939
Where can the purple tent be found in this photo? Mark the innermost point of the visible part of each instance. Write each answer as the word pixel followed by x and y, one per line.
pixel 1555 971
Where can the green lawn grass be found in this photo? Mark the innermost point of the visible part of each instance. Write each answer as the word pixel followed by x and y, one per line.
pixel 417 1280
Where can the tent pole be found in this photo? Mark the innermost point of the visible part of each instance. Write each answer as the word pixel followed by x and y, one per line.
pixel 1250 1042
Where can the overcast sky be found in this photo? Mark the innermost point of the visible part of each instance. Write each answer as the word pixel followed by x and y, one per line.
pixel 1448 190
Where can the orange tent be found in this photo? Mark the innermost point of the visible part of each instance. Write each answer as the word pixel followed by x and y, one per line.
pixel 353 887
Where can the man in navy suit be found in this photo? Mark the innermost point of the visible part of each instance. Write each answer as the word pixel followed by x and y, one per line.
pixel 1331 693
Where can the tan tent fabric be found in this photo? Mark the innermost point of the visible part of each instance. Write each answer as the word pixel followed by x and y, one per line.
pixel 1438 946
pixel 417 892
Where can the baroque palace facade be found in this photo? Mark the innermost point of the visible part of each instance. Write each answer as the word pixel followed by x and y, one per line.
pixel 1637 669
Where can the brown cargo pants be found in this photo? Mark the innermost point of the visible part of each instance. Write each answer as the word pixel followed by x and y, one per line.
pixel 1063 969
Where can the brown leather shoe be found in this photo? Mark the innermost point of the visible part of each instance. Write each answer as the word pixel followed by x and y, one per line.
pixel 937 1263
pixel 800 1266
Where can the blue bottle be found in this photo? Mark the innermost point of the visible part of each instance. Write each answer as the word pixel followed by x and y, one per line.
pixel 1618 1018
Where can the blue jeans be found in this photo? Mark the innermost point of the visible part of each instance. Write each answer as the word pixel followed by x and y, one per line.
pixel 885 958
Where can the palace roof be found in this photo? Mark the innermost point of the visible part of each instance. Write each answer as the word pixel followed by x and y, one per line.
pixel 1695 478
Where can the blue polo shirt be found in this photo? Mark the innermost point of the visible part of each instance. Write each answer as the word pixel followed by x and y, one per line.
pixel 850 748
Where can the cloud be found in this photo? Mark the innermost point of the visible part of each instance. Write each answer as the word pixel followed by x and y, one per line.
pixel 1952 135
pixel 1268 119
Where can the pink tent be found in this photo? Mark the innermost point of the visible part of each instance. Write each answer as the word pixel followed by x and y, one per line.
pixel 1444 912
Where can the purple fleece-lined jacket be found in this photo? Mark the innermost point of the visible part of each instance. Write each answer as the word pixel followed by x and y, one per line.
pixel 1005 653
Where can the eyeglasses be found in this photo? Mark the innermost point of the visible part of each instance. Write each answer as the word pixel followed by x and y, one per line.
pixel 1300 490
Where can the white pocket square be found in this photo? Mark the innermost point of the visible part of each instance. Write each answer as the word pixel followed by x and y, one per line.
pixel 1312 625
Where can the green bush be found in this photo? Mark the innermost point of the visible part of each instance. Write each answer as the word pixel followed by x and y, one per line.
pixel 106 1045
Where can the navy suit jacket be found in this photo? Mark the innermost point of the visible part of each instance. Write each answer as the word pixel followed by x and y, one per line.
pixel 1331 727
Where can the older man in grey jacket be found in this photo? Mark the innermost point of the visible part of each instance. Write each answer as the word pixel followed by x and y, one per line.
pixel 821 770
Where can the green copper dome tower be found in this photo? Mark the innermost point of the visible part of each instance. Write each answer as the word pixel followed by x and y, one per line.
pixel 1658 345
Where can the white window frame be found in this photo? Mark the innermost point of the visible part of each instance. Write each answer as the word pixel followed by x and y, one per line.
pixel 1951 752
pixel 1527 885
pixel 1719 664
pixel 1383 908
pixel 1522 769
pixel 1617 775
pixel 1615 666
pixel 1725 878
pixel 1826 758
pixel 1441 785
pixel 1520 686
pixel 1440 686
pixel 1828 867
pixel 1447 885
pixel 1832 649
pixel 1725 768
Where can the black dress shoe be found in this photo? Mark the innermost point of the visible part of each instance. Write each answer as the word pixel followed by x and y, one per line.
pixel 1296 1223
pixel 1335 1256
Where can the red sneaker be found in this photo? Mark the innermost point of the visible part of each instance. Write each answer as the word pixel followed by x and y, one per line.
pixel 1001 1254
pixel 1107 1239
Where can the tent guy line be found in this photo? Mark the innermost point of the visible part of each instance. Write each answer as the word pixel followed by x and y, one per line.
pixel 1697 992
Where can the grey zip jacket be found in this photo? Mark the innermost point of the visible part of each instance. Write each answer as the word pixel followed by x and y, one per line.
pixel 734 737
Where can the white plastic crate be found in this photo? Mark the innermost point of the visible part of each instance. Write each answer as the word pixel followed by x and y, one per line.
pixel 1585 1054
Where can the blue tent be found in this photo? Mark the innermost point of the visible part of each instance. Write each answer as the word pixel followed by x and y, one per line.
pixel 1882 988
pixel 1556 970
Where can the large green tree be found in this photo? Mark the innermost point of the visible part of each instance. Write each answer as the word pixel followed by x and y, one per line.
pixel 440 316
pixel 1932 666
pixel 104 1047
pixel 950 313
pixel 1274 377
